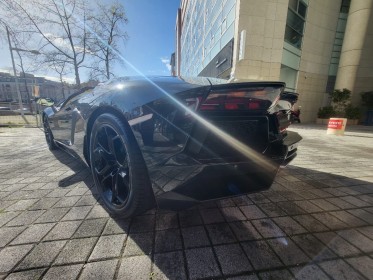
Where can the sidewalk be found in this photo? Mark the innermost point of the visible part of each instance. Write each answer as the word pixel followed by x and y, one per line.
pixel 316 221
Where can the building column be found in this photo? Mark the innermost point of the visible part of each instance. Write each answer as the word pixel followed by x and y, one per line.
pixel 355 70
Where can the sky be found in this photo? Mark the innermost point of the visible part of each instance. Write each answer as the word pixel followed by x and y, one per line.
pixel 151 30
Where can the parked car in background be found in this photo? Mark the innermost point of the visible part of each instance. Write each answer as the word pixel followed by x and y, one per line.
pixel 173 142
pixel 44 101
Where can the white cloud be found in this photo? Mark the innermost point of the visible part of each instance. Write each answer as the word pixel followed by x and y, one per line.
pixel 56 79
pixel 166 61
pixel 64 43
pixel 7 70
pixel 58 41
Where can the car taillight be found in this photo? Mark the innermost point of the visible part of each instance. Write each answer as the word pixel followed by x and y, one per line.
pixel 255 99
pixel 209 107
pixel 253 105
pixel 230 105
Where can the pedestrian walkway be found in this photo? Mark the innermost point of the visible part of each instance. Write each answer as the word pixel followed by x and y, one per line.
pixel 316 221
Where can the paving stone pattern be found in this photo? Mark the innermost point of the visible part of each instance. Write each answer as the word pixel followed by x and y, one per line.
pixel 316 221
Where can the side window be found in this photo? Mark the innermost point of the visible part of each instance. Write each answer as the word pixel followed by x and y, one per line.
pixel 59 104
pixel 75 96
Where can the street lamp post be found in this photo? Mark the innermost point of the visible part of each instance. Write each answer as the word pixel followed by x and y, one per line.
pixel 14 67
pixel 15 73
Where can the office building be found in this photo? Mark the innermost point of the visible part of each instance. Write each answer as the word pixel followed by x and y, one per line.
pixel 29 87
pixel 314 46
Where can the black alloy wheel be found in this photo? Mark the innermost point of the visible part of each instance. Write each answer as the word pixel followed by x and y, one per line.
pixel 117 167
pixel 48 134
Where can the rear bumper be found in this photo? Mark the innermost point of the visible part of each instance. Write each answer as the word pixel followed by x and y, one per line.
pixel 178 187
pixel 181 181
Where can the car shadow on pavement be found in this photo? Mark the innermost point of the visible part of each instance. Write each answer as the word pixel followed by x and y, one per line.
pixel 308 224
pixel 81 171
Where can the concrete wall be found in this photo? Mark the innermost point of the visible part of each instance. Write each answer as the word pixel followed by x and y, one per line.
pixel 355 70
pixel 18 120
pixel 264 22
pixel 321 24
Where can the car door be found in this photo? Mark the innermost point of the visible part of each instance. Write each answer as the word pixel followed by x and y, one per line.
pixel 68 120
pixel 61 123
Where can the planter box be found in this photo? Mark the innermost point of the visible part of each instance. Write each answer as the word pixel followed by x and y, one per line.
pixel 322 121
pixel 352 122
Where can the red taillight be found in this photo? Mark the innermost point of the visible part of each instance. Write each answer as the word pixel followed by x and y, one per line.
pixel 208 107
pixel 231 106
pixel 253 105
pixel 255 99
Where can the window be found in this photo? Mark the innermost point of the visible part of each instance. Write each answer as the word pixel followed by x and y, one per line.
pixel 302 9
pixel 295 23
pixel 293 37
pixel 345 6
pixel 289 76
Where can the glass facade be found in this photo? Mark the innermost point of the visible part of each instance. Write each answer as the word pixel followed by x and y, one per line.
pixel 289 76
pixel 294 29
pixel 295 23
pixel 207 27
pixel 337 46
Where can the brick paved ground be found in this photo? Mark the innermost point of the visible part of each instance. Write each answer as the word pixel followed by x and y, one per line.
pixel 316 222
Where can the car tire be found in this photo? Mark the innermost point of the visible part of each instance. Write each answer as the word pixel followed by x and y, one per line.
pixel 118 168
pixel 48 135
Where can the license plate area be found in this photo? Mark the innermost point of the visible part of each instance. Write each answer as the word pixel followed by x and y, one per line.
pixel 209 146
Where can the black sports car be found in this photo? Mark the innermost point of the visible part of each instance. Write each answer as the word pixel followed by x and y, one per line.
pixel 173 142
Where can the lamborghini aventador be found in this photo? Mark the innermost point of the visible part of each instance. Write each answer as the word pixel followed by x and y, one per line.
pixel 172 142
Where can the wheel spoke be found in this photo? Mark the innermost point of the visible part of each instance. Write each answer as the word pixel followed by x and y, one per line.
pixel 104 160
pixel 115 198
pixel 123 183
pixel 111 143
pixel 125 166
pixel 107 134
pixel 105 178
pixel 103 171
pixel 106 185
pixel 101 153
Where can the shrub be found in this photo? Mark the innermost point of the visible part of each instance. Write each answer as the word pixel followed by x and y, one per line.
pixel 325 112
pixel 340 100
pixel 352 113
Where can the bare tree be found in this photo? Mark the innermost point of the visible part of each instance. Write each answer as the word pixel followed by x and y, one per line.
pixel 69 34
pixel 24 80
pixel 108 32
pixel 60 27
pixel 62 69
